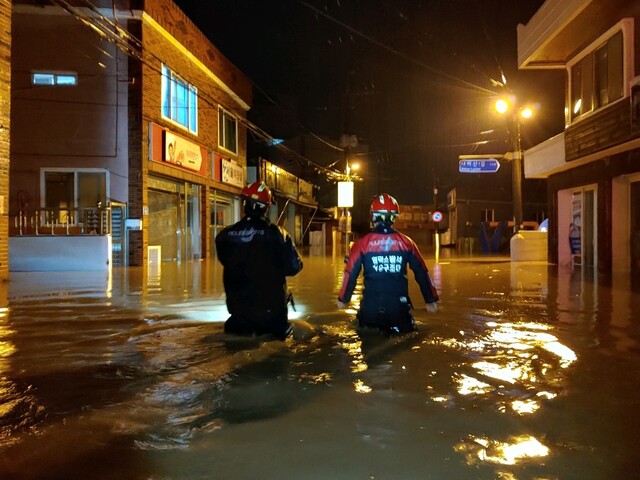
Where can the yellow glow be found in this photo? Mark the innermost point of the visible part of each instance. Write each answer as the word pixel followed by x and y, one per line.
pixel 576 107
pixel 502 453
pixel 567 356
pixel 355 166
pixel 7 349
pixel 508 373
pixel 524 337
pixel 525 406
pixel 526 112
pixel 316 379
pixel 351 343
pixel 501 106
pixel 468 385
pixel 360 387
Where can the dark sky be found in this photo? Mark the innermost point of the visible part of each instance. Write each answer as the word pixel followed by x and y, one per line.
pixel 410 78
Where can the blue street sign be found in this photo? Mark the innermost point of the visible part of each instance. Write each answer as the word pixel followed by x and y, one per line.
pixel 437 216
pixel 478 165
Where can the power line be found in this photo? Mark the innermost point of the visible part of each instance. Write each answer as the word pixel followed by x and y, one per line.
pixel 134 47
pixel 394 51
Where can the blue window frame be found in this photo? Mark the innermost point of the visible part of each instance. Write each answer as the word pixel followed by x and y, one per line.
pixel 51 79
pixel 179 100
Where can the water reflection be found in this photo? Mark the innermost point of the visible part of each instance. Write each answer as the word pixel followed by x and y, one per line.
pixel 506 381
pixel 517 449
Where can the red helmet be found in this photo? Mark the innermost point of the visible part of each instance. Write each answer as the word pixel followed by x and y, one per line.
pixel 258 192
pixel 384 206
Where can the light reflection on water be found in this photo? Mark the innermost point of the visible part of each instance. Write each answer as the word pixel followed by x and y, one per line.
pixel 518 449
pixel 134 364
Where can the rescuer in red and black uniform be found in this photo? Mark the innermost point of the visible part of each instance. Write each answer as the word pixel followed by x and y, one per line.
pixel 384 253
pixel 257 257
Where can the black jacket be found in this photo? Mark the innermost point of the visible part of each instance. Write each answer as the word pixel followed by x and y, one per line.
pixel 257 256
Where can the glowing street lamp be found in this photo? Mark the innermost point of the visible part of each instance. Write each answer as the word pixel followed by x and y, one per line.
pixel 515 115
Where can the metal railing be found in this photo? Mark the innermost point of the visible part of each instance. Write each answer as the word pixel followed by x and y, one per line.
pixel 61 221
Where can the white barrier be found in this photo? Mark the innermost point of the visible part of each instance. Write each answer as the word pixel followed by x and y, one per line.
pixel 528 246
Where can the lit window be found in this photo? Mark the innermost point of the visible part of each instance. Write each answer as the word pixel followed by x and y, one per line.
pixel 179 100
pixel 227 131
pixel 598 78
pixel 52 79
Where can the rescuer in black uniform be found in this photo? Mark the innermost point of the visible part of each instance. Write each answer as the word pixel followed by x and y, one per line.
pixel 257 257
pixel 384 253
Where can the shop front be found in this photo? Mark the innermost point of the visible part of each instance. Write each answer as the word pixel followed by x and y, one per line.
pixel 175 187
pixel 174 219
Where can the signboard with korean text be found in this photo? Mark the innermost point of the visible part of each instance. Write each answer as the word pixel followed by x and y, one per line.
pixel 287 183
pixel 478 165
pixel 232 173
pixel 305 191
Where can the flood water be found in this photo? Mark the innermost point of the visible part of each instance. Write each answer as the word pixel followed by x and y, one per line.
pixel 527 371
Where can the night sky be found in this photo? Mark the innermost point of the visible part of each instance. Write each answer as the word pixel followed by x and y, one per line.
pixel 414 80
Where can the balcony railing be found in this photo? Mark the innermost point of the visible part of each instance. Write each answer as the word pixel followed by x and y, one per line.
pixel 63 221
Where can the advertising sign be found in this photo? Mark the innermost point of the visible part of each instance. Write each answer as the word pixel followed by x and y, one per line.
pixel 182 152
pixel 232 173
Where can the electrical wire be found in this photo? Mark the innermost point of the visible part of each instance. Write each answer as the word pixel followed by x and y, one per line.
pixel 394 51
pixel 134 47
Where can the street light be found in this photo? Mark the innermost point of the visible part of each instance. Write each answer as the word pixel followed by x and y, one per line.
pixel 515 115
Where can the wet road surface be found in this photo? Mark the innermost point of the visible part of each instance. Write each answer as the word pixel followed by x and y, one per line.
pixel 527 371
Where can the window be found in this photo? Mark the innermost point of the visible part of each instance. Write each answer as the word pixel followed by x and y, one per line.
pixel 50 79
pixel 487 215
pixel 179 100
pixel 71 189
pixel 597 79
pixel 227 131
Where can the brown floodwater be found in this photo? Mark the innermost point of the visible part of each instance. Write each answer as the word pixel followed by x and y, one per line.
pixel 527 371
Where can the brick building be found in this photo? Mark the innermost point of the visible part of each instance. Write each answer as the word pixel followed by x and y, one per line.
pixel 5 102
pixel 128 124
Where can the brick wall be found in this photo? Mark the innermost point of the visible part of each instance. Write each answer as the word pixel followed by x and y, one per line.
pixel 5 101
pixel 159 50
pixel 137 167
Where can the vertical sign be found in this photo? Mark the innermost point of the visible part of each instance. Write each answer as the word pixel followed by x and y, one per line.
pixel 345 194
